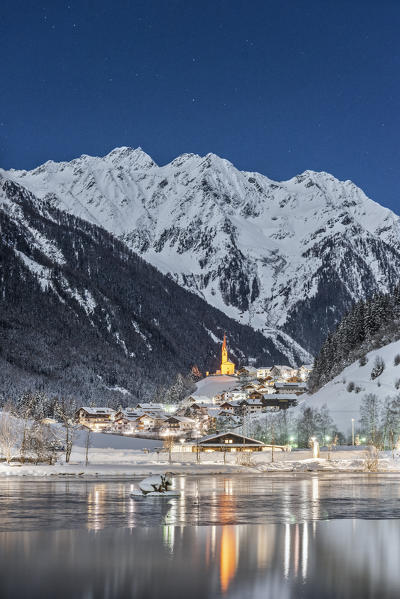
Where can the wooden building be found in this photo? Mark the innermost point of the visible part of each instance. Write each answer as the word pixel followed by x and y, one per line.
pixel 97 419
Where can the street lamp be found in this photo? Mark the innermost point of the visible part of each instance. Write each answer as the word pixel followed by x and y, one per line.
pixel 315 447
pixel 352 431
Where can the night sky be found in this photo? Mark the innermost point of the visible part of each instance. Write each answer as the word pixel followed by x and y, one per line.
pixel 274 86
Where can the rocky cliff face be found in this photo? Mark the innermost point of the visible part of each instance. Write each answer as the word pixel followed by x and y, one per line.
pixel 289 256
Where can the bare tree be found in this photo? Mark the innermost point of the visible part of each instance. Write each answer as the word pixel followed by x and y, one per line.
pixel 168 444
pixel 88 443
pixel 10 434
pixel 64 411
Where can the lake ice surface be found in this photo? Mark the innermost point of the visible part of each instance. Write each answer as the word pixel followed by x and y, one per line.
pixel 257 537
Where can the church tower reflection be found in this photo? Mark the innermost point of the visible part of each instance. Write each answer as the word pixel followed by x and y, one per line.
pixel 228 556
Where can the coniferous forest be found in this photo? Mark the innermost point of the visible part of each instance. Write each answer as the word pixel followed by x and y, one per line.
pixel 368 325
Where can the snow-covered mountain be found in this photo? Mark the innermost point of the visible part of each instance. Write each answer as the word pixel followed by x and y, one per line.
pixel 82 314
pixel 289 255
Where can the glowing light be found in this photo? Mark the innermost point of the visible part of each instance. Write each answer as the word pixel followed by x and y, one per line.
pixel 227 557
pixel 287 551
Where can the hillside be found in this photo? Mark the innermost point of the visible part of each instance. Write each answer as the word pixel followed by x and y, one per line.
pixel 290 256
pixel 82 315
pixel 344 405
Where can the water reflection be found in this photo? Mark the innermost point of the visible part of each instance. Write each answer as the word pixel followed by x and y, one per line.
pixel 252 561
pixel 256 537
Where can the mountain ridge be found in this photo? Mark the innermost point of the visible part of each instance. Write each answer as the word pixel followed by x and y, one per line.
pixel 82 314
pixel 291 255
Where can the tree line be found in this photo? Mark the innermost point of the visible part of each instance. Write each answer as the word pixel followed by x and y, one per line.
pixel 370 324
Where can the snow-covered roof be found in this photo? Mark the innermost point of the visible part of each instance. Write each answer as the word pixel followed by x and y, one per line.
pixel 219 435
pixel 98 411
pixel 181 419
pixel 252 402
pixel 291 385
pixel 281 396
pixel 213 412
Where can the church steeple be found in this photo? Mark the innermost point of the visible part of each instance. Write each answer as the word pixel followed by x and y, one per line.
pixel 227 367
pixel 224 351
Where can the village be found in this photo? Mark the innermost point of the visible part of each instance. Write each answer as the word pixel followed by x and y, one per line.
pixel 223 403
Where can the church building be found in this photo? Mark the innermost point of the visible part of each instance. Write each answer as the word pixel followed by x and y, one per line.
pixel 227 367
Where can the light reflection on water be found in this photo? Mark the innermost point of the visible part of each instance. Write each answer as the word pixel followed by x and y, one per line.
pixel 256 537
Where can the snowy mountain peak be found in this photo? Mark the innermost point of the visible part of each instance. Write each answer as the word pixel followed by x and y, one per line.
pixel 130 157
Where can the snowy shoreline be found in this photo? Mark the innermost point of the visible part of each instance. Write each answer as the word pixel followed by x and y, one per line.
pixel 386 465
pixel 118 456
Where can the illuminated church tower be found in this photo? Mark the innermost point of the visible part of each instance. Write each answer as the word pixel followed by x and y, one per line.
pixel 227 367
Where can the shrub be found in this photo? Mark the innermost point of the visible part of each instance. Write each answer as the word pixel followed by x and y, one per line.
pixel 397 384
pixel 363 360
pixel 371 460
pixel 357 389
pixel 379 367
pixel 396 360
pixel 350 387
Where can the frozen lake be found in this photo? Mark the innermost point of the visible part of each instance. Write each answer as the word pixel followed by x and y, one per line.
pixel 266 536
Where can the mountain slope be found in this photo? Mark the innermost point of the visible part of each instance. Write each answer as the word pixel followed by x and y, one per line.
pixel 290 255
pixel 81 314
pixel 343 404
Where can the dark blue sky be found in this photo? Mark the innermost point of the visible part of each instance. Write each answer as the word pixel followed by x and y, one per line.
pixel 274 86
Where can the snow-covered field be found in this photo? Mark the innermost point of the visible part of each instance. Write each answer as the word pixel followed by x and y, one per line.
pixel 344 405
pixel 210 386
pixel 112 455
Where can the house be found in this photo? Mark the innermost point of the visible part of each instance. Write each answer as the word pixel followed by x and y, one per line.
pixel 254 395
pixel 264 372
pixel 282 372
pixel 148 422
pixel 227 441
pixel 127 412
pixel 280 401
pixel 236 395
pixel 229 406
pixel 269 390
pixel 174 425
pixel 305 371
pixel 125 420
pixel 97 419
pixel 287 387
pixel 248 371
pixel 252 405
pixel 227 419
pixel 197 410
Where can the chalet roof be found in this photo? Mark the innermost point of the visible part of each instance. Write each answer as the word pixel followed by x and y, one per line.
pixel 280 397
pixel 234 403
pixel 228 414
pixel 128 411
pixel 227 433
pixel 129 415
pixel 150 406
pixel 180 419
pixel 152 416
pixel 252 402
pixel 292 385
pixel 97 411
